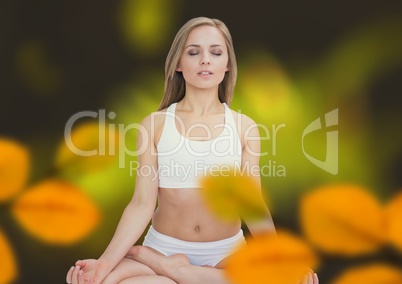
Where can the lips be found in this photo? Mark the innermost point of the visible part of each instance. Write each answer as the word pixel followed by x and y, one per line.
pixel 205 72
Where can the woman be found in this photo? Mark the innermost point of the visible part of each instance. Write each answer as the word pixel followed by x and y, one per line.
pixel 193 131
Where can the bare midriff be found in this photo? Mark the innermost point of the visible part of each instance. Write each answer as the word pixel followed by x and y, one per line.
pixel 183 214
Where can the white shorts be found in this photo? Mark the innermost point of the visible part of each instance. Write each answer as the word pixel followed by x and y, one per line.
pixel 198 253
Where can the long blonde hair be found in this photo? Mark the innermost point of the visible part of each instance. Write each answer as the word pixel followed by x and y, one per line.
pixel 175 86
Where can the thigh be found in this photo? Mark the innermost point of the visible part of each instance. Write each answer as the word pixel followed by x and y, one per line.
pixel 127 268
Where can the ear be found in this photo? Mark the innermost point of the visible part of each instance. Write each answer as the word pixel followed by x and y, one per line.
pixel 178 68
pixel 227 68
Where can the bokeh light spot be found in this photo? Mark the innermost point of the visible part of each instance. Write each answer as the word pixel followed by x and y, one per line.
pixel 146 24
pixel 270 258
pixel 7 261
pixel 14 168
pixel 56 212
pixel 334 218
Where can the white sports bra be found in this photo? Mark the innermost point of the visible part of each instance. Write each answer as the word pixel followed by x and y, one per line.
pixel 182 162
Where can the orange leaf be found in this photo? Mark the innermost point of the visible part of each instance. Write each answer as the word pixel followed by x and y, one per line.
pixel 270 258
pixel 56 212
pixel 393 215
pixel 7 261
pixel 14 168
pixel 342 219
pixel 377 273
pixel 89 149
pixel 229 195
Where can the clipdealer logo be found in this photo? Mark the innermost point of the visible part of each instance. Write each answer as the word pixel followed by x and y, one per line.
pixel 330 164
pixel 330 119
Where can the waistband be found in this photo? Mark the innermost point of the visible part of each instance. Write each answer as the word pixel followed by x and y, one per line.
pixel 239 237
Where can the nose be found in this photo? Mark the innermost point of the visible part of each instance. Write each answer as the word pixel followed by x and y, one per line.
pixel 205 60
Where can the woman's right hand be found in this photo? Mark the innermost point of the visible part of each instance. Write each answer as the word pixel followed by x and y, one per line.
pixel 87 271
pixel 310 278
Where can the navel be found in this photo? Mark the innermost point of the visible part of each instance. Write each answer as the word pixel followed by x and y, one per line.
pixel 197 228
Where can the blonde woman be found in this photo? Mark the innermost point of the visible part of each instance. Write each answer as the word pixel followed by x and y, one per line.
pixel 193 131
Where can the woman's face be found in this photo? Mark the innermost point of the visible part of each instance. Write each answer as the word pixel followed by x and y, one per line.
pixel 205 59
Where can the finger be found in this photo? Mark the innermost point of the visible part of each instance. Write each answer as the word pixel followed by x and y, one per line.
pixel 312 278
pixel 81 277
pixel 315 276
pixel 70 275
pixel 80 263
pixel 76 270
pixel 308 278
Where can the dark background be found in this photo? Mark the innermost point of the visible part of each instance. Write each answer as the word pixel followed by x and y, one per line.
pixel 61 57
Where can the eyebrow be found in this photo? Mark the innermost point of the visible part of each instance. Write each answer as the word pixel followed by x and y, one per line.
pixel 197 45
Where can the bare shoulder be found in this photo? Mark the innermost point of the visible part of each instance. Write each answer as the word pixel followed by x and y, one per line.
pixel 154 119
pixel 243 121
pixel 246 127
pixel 153 124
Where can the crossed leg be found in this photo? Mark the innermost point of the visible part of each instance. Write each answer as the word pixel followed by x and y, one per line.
pixel 176 267
pixel 129 271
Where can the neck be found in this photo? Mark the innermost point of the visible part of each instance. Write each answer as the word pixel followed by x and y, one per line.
pixel 201 101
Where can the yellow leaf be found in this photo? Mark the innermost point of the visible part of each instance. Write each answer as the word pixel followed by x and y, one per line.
pixel 7 261
pixel 342 219
pixel 393 215
pixel 56 212
pixel 229 195
pixel 93 146
pixel 268 258
pixel 147 24
pixel 377 273
pixel 14 168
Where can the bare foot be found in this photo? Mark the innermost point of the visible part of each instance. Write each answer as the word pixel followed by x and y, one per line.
pixel 161 264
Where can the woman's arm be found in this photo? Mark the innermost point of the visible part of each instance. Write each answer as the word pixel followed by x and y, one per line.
pixel 250 160
pixel 138 212
pixel 251 156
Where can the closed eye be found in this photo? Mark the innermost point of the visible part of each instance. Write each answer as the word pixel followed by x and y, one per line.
pixel 193 52
pixel 216 52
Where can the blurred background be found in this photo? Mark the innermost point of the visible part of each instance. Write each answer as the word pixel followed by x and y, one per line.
pixel 297 60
